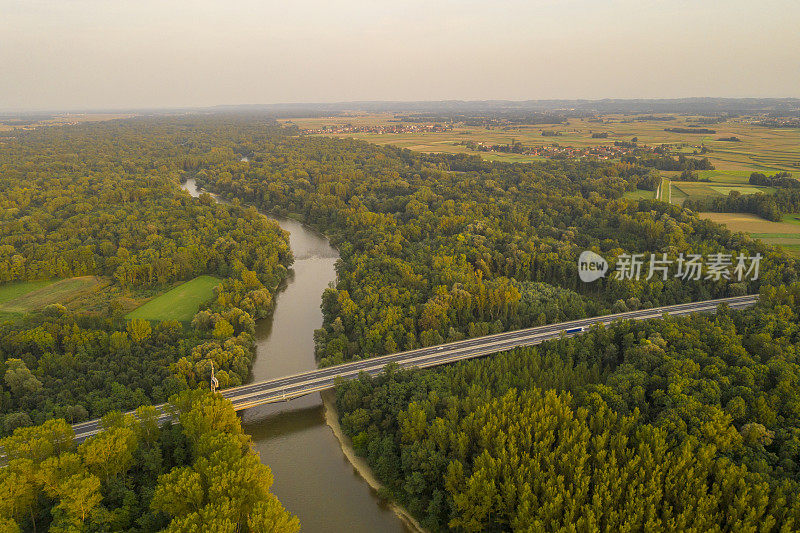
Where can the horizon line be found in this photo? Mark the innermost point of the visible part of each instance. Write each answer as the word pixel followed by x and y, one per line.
pixel 212 107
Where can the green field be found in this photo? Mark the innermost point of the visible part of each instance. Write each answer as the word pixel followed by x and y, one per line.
pixel 12 291
pixel 678 196
pixel 726 189
pixel 664 192
pixel 640 194
pixel 728 176
pixel 180 303
pixel 785 234
pixel 17 298
pixel 667 192
pixel 791 218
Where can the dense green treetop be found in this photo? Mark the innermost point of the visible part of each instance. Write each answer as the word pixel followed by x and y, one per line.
pixel 104 199
pixel 688 424
pixel 199 474
pixel 683 424
pixel 436 247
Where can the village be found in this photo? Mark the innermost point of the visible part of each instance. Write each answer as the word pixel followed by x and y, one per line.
pixel 557 151
pixel 379 129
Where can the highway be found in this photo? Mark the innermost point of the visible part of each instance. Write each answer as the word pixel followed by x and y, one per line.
pixel 290 387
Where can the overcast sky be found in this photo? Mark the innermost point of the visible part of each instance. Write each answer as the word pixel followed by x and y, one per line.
pixel 90 54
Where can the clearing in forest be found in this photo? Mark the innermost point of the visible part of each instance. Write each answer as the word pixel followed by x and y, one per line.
pixel 180 303
pixel 24 297
pixel 785 234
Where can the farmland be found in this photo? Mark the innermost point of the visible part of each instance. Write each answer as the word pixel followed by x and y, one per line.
pixel 701 190
pixel 759 149
pixel 180 303
pixel 749 148
pixel 10 123
pixel 785 234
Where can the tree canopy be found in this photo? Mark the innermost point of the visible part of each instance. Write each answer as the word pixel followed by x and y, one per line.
pixel 198 474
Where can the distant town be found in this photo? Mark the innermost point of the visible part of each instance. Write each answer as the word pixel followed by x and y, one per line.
pixel 379 129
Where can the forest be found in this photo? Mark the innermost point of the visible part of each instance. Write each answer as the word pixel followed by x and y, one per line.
pixel 104 199
pixel 781 180
pixel 198 474
pixel 768 206
pixel 436 248
pixel 687 424
pixel 610 430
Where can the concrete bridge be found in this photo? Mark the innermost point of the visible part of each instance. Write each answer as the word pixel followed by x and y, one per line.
pixel 290 387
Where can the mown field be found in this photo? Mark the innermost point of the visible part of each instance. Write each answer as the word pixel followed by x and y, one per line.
pixel 640 194
pixel 12 291
pixel 180 303
pixel 676 192
pixel 785 233
pixel 25 297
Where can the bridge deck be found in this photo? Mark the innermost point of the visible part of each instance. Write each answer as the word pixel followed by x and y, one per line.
pixel 290 387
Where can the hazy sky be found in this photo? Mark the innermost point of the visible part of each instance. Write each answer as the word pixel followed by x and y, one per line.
pixel 89 54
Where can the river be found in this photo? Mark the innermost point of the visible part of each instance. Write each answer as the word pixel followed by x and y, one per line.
pixel 313 478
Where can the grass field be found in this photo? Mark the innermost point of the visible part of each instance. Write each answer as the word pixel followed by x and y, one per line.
pixel 698 190
pixel 18 298
pixel 664 192
pixel 12 291
pixel 727 176
pixel 640 194
pixel 678 196
pixel 791 218
pixel 726 189
pixel 180 303
pixel 785 234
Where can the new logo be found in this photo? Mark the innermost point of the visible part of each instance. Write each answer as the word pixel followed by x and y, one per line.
pixel 591 266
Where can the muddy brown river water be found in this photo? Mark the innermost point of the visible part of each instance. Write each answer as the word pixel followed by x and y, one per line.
pixel 313 477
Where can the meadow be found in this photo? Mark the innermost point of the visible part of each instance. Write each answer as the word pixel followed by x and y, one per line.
pixel 640 194
pixel 25 297
pixel 785 233
pixel 12 291
pixel 180 303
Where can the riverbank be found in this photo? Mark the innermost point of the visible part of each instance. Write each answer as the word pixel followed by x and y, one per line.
pixel 314 478
pixel 359 463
